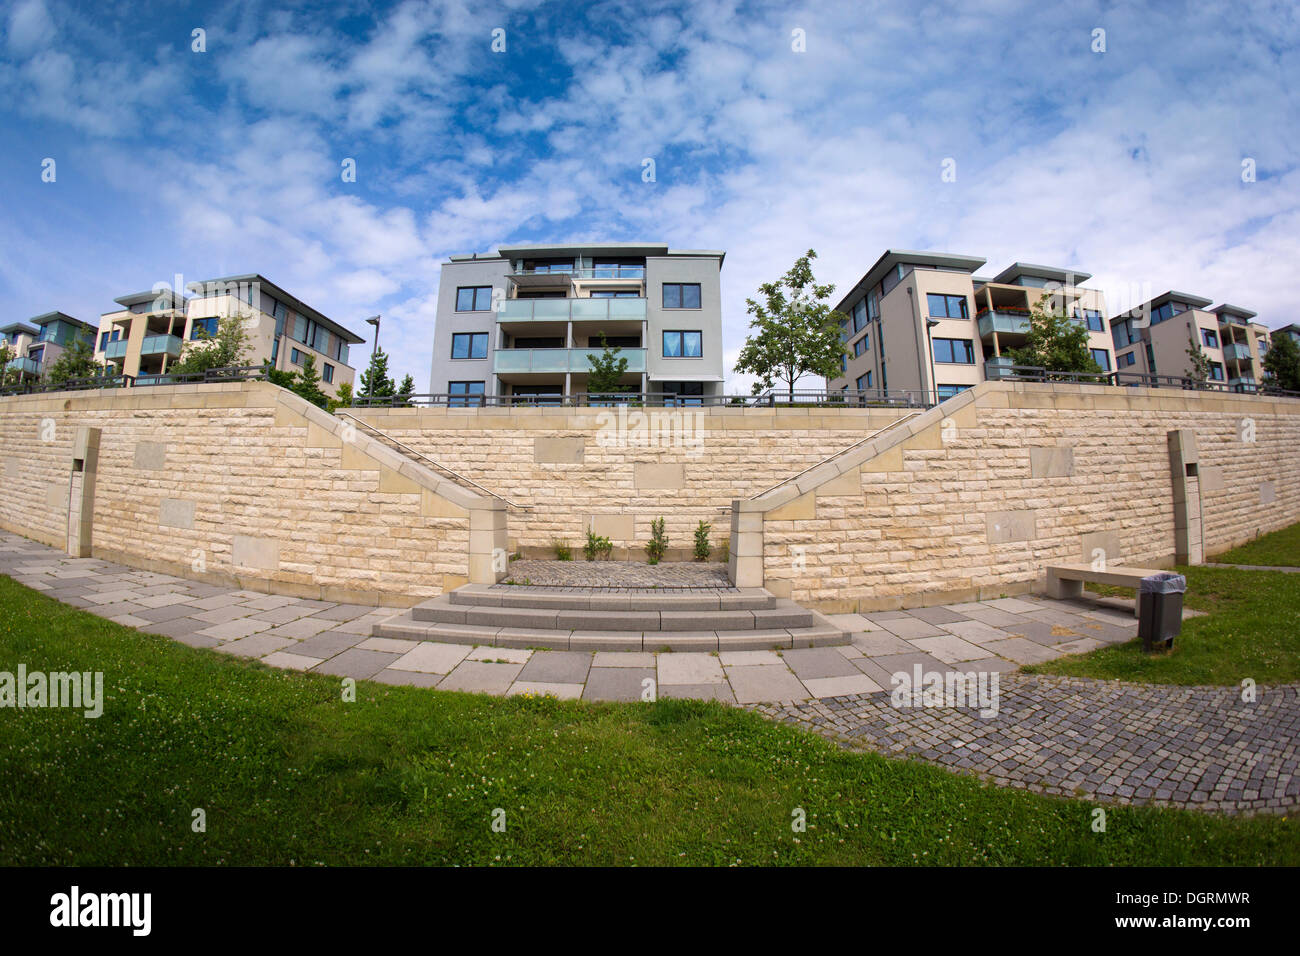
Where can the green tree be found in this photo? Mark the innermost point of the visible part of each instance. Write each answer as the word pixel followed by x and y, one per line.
pixel 307 384
pixel 229 348
pixel 7 354
pixel 76 361
pixel 406 390
pixel 343 399
pixel 607 370
pixel 1283 362
pixel 797 332
pixel 1198 363
pixel 1056 341
pixel 375 382
pixel 278 377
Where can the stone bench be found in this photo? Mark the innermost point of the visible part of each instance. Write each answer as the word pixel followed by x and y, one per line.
pixel 1065 581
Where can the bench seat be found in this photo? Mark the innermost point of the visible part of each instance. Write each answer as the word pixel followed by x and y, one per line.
pixel 1065 581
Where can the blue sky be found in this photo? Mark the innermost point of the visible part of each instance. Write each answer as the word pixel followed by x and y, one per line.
pixel 1125 163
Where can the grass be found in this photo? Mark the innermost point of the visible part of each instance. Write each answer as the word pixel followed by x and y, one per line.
pixel 1278 549
pixel 288 773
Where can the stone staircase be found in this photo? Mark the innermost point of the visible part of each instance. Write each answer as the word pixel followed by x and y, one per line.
pixel 601 619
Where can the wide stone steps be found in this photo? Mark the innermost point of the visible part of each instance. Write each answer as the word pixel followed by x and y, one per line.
pixel 738 619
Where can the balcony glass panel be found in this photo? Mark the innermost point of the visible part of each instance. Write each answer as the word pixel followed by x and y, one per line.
pixel 590 308
pixel 161 345
pixel 998 321
pixel 115 350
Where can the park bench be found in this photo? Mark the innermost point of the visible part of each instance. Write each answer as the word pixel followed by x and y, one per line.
pixel 1065 581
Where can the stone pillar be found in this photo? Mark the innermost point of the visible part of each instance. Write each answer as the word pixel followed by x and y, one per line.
pixel 489 555
pixel 745 558
pixel 81 492
pixel 1184 468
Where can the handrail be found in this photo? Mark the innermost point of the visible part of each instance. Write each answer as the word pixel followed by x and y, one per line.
pixel 442 468
pixel 842 451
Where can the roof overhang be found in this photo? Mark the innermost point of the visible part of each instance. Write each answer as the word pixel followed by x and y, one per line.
pixel 1226 309
pixel 1066 277
pixel 894 257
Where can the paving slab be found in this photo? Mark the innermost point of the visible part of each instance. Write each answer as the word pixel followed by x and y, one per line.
pixel 407 678
pixel 480 677
pixel 938 615
pixel 328 644
pixel 508 655
pixel 618 683
pixel 430 658
pixel 841 686
pixel 752 683
pixel 389 644
pixel 1022 651
pixel 911 628
pixel 1011 605
pixel 556 667
pixel 744 658
pixel 256 646
pixel 290 661
pixel 950 648
pixel 356 663
pixel 546 689
pixel 710 691
pixel 690 668
pixel 234 630
pixel 623 659
pixel 879 643
pixel 819 662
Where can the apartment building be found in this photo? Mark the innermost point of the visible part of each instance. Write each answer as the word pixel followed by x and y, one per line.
pixel 1292 330
pixel 1154 339
pixel 17 337
pixel 522 321
pixel 41 340
pixel 924 323
pixel 152 329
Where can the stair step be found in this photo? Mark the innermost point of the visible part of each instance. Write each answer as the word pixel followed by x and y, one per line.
pixel 445 610
pixel 483 595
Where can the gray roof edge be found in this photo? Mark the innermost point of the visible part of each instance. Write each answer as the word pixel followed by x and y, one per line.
pixel 1041 272
pixel 289 299
pixel 892 257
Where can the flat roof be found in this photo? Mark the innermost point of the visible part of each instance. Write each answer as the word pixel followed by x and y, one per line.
pixel 556 250
pixel 287 298
pixel 1226 309
pixel 49 317
pixel 20 326
pixel 135 298
pixel 1067 277
pixel 893 257
pixel 1195 301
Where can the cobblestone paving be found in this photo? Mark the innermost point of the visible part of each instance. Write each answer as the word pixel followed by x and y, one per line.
pixel 1194 747
pixel 1199 747
pixel 618 574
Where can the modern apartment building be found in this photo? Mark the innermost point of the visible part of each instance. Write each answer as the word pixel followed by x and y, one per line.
pixel 522 321
pixel 152 329
pixel 17 337
pixel 923 322
pixel 41 340
pixel 1154 339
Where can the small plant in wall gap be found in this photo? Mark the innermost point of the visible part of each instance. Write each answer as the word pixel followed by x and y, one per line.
pixel 562 551
pixel 597 546
pixel 658 542
pixel 702 548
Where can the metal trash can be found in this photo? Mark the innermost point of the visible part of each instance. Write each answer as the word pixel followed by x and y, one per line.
pixel 1160 609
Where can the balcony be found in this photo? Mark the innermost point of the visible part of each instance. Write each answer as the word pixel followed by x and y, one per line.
pixel 999 366
pixel 1004 321
pixel 115 351
pixel 1234 351
pixel 572 310
pixel 160 345
pixel 1244 383
pixel 27 366
pixel 556 361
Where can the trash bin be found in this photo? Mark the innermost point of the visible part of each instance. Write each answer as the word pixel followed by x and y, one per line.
pixel 1160 609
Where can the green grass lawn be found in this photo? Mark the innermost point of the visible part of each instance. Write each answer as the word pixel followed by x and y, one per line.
pixel 288 773
pixel 1277 549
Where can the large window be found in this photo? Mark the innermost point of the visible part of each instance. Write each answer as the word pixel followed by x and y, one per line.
pixel 859 316
pixel 327 372
pixel 946 306
pixel 474 298
pixel 1095 322
pixel 295 356
pixel 208 325
pixel 1209 338
pixel 683 393
pixel 1102 358
pixel 1216 371
pixel 469 345
pixel 948 391
pixel 1127 359
pixel 862 344
pixel 954 351
pixel 683 345
pixel 104 338
pixel 681 295
pixel 464 393
pixel 864 382
pixel 614 294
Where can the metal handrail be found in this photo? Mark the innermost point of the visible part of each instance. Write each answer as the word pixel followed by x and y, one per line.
pixel 455 476
pixel 843 451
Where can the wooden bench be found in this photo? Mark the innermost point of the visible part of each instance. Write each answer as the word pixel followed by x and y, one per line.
pixel 1065 581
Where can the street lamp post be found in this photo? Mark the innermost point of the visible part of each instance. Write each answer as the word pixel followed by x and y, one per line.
pixel 374 320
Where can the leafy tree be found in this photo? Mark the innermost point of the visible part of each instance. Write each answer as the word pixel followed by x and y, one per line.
pixel 607 370
pixel 278 377
pixel 1198 368
pixel 1056 341
pixel 76 361
pixel 406 390
pixel 227 349
pixel 307 384
pixel 344 397
pixel 7 354
pixel 797 331
pixel 1283 362
pixel 375 382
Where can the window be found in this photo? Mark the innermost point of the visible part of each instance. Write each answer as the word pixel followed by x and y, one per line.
pixel 683 393
pixel 1123 333
pixel 954 351
pixel 462 393
pixel 1263 347
pixel 864 382
pixel 1151 358
pixel 1095 322
pixel 104 338
pixel 208 325
pixel 474 298
pixel 36 354
pixel 844 362
pixel 861 345
pixel 1216 371
pixel 327 372
pixel 681 295
pixel 299 333
pixel 1167 311
pixel 948 391
pixel 1102 358
pixel 884 378
pixel 683 344
pixel 1210 338
pixel 547 266
pixel 469 345
pixel 278 310
pixel 1127 359
pixel 611 294
pixel 295 356
pixel 947 306
pixel 859 316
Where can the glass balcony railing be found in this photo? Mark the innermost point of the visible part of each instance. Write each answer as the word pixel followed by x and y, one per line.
pixel 507 361
pixel 26 365
pixel 598 272
pixel 1000 321
pixel 1234 351
pixel 115 351
pixel 575 310
pixel 996 367
pixel 161 345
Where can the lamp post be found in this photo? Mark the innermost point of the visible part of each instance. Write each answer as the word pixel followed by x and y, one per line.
pixel 930 324
pixel 374 320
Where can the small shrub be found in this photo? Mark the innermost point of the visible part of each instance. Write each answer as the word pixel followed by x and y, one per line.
pixel 562 551
pixel 597 546
pixel 702 548
pixel 658 542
